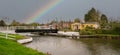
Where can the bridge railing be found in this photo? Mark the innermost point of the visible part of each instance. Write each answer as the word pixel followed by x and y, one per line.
pixel 23 27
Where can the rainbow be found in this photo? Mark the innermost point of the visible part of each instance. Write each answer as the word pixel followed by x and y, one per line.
pixel 42 11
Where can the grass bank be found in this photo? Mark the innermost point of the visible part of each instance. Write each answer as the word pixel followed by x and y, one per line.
pixel 11 47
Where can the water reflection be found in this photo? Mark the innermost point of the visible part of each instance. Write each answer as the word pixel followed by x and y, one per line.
pixel 102 46
pixel 59 46
pixel 64 46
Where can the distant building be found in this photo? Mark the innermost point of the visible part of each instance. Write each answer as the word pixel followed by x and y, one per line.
pixel 75 26
pixel 80 26
pixel 66 25
pixel 62 25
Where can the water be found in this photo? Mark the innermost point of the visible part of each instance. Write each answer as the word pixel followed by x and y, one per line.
pixel 66 46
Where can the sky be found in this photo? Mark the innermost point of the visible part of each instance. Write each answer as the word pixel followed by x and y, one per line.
pixel 21 10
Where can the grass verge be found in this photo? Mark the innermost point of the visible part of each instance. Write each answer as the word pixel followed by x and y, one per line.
pixel 10 47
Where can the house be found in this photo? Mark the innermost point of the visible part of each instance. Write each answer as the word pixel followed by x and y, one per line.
pixel 80 26
pixel 62 25
pixel 66 25
pixel 90 24
pixel 75 26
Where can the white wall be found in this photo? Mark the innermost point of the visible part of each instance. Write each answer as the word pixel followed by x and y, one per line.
pixel 70 33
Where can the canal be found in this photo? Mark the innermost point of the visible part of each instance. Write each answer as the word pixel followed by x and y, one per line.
pixel 66 46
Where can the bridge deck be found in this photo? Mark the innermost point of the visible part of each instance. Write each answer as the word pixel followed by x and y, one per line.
pixel 36 30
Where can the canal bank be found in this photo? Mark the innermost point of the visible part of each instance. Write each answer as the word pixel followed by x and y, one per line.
pixel 11 46
pixel 76 35
pixel 100 36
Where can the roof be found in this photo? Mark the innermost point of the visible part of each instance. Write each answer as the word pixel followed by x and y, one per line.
pixel 91 23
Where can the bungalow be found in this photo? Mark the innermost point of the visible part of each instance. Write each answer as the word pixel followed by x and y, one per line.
pixel 75 26
pixel 80 26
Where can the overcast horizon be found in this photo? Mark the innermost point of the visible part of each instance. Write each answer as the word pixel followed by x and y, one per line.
pixel 66 10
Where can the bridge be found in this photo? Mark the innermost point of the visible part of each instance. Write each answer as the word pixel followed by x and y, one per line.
pixel 36 30
pixel 28 29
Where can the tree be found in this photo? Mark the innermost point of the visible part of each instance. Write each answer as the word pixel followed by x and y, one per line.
pixel 15 23
pixel 104 18
pixel 34 24
pixel 77 20
pixel 103 21
pixel 92 16
pixel 23 24
pixel 2 23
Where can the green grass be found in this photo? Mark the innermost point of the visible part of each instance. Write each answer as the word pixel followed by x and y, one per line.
pixel 9 47
pixel 16 36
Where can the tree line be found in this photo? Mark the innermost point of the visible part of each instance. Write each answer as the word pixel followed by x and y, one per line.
pixel 16 23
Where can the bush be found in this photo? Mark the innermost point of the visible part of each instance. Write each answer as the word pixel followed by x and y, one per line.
pixel 87 32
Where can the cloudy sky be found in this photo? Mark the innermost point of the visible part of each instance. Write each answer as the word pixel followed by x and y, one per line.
pixel 66 10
